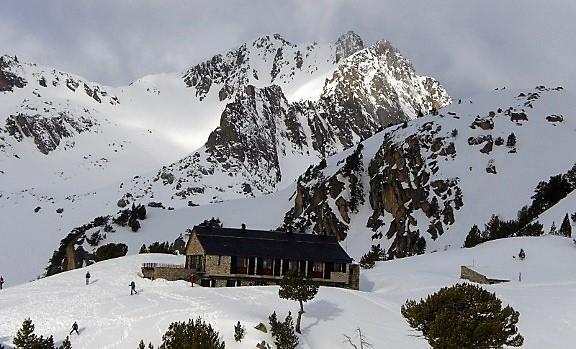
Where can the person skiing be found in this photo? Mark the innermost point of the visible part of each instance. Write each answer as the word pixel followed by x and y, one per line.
pixel 133 288
pixel 87 278
pixel 522 254
pixel 74 328
pixel 1 282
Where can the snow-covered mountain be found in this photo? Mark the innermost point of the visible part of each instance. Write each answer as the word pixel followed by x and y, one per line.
pixel 109 317
pixel 265 111
pixel 422 185
pixel 412 188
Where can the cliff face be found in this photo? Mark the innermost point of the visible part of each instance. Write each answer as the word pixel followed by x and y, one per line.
pixel 264 140
pixel 421 185
pixel 397 185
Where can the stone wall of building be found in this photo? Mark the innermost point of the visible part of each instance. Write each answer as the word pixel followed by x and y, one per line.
pixel 354 281
pixel 218 265
pixel 339 277
pixel 167 273
pixel 194 248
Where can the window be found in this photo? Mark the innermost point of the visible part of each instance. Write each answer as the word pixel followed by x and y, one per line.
pixel 196 262
pixel 240 266
pixel 267 266
pixel 318 267
pixel 243 262
pixel 340 267
pixel 293 265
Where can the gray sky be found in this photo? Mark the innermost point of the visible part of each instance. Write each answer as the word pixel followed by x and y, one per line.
pixel 470 45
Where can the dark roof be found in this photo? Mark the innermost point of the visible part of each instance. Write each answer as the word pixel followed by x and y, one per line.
pixel 270 244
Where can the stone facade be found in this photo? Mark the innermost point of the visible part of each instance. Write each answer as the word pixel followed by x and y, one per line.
pixel 218 265
pixel 167 272
pixel 216 271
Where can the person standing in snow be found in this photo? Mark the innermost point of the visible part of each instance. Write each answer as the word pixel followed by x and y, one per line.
pixel 133 288
pixel 87 278
pixel 1 282
pixel 74 328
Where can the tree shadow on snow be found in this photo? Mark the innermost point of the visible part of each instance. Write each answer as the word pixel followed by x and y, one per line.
pixel 321 310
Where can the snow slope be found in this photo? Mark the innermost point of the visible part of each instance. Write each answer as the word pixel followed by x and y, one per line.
pixel 110 318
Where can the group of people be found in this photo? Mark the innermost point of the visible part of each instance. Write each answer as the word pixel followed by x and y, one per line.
pixel 132 284
pixel 75 324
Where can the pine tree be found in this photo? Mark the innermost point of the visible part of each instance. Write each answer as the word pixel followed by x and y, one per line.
pixel 375 254
pixel 286 338
pixel 553 230
pixel 25 336
pixel 296 287
pixel 511 141
pixel 239 332
pixel 566 228
pixel 449 319
pixel 66 344
pixel 143 249
pixel 191 335
pixel 141 345
pixel 273 319
pixel 474 237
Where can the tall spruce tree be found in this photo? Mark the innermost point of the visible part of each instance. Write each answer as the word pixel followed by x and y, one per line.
pixel 474 237
pixel 296 287
pixel 566 228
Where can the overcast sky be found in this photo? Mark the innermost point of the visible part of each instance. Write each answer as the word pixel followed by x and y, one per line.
pixel 469 45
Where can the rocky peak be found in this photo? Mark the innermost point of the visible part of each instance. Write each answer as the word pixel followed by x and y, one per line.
pixel 348 44
pixel 8 76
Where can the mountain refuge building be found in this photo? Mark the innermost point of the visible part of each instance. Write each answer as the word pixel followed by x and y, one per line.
pixel 222 257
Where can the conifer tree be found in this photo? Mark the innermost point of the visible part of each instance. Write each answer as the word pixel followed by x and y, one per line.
pixel 296 287
pixel 66 344
pixel 25 336
pixel 141 345
pixel 474 237
pixel 566 228
pixel 511 141
pixel 449 319
pixel 273 319
pixel 553 229
pixel 285 337
pixel 239 332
